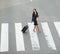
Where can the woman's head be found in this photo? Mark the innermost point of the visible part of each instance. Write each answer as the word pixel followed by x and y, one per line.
pixel 34 10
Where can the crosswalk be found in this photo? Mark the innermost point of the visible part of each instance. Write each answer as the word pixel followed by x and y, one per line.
pixel 34 38
pixel 48 35
pixel 20 45
pixel 19 37
pixel 57 26
pixel 4 37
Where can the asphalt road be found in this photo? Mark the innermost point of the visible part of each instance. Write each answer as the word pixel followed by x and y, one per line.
pixel 20 11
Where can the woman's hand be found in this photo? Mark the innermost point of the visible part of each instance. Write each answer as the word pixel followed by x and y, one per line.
pixel 37 19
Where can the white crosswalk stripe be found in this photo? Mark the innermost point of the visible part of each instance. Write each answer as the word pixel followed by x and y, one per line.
pixel 34 38
pixel 48 35
pixel 19 37
pixel 4 37
pixel 57 26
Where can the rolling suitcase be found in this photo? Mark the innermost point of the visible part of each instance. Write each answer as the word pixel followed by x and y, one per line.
pixel 25 28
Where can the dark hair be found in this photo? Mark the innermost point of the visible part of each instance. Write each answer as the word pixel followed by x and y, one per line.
pixel 35 9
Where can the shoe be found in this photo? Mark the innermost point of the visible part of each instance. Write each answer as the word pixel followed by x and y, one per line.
pixel 39 30
pixel 33 30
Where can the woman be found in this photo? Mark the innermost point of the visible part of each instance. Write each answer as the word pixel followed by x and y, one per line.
pixel 34 19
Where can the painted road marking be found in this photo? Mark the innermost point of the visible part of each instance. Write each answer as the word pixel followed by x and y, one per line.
pixel 19 37
pixel 57 26
pixel 4 37
pixel 34 37
pixel 48 35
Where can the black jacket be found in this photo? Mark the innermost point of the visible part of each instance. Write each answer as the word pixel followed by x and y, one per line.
pixel 34 16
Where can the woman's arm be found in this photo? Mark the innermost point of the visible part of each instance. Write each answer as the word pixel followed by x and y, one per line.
pixel 32 16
